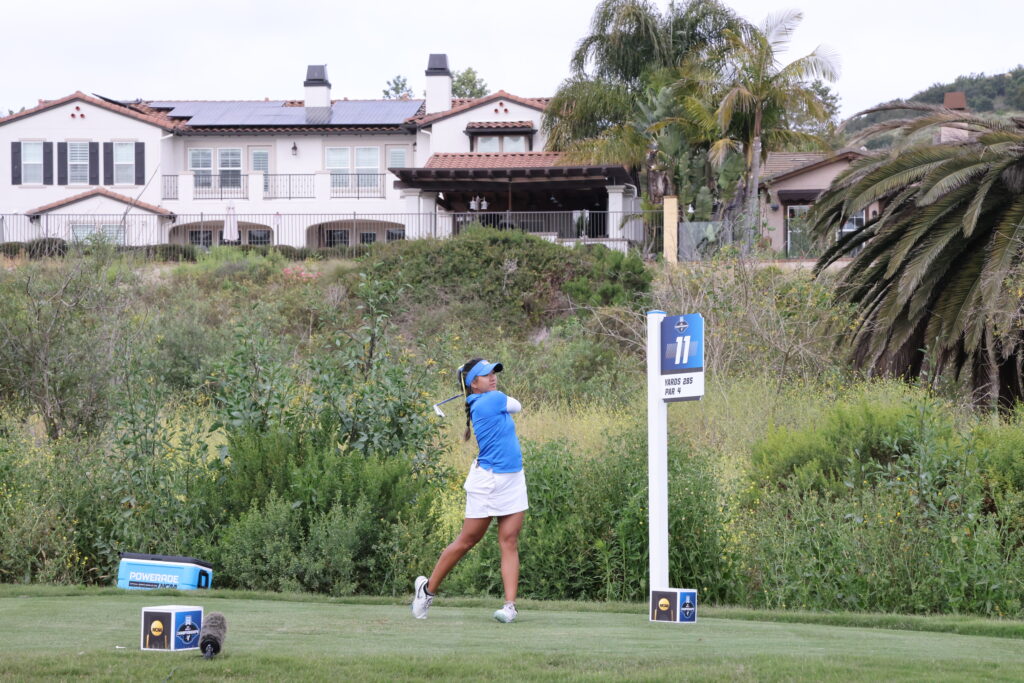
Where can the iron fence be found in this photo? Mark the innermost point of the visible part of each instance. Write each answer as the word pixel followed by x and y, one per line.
pixel 169 187
pixel 225 185
pixel 289 186
pixel 319 230
pixel 565 225
pixel 358 185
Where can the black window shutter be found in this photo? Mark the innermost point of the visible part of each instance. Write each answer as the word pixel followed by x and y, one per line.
pixel 108 163
pixel 47 163
pixel 62 163
pixel 15 163
pixel 94 163
pixel 140 163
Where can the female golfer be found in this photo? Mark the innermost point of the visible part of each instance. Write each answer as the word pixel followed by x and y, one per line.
pixel 495 487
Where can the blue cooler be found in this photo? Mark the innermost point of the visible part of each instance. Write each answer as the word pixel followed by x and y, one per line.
pixel 144 572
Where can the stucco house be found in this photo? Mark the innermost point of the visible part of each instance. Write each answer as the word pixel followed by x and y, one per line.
pixel 318 171
pixel 790 183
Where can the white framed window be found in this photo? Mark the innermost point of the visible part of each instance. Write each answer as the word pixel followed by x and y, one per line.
pixel 367 166
pixel 398 157
pixel 393 235
pixel 338 161
pixel 514 143
pixel 488 143
pixel 78 163
pixel 259 162
pixel 336 238
pixel 113 233
pixel 259 237
pixel 200 238
pixel 853 223
pixel 32 163
pixel 200 162
pixel 124 163
pixel 229 166
pixel 367 237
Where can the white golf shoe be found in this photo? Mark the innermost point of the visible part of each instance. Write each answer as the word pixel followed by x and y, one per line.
pixel 506 614
pixel 421 599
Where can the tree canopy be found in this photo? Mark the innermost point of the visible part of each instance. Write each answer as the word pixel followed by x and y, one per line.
pixel 467 83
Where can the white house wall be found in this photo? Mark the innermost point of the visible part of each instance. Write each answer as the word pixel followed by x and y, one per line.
pixel 449 134
pixel 56 125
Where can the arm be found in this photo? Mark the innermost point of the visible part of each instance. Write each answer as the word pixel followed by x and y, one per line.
pixel 512 406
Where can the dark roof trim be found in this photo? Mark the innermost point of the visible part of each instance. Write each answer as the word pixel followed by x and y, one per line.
pixel 798 195
pixel 607 175
pixel 499 129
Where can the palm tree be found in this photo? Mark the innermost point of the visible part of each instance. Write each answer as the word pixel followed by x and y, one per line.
pixel 931 280
pixel 628 57
pixel 759 91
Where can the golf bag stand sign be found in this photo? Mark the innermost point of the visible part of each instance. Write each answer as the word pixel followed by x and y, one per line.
pixel 676 605
pixel 171 628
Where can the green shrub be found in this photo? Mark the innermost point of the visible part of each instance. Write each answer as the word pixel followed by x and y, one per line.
pixel 45 247
pixel 173 252
pixel 877 552
pixel 614 279
pixel 289 253
pixel 260 550
pixel 13 249
pixel 518 278
pixel 829 456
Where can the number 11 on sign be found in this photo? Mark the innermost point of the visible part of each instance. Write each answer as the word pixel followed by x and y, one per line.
pixel 683 349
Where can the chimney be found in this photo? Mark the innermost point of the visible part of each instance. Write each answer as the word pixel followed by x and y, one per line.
pixel 318 88
pixel 439 84
pixel 955 100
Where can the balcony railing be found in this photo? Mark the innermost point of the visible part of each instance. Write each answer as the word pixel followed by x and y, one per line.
pixel 225 185
pixel 169 187
pixel 561 224
pixel 357 185
pixel 289 186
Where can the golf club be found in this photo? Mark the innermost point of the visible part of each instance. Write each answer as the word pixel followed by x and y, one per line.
pixel 437 405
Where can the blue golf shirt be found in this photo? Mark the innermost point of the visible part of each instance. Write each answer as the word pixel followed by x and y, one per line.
pixel 495 433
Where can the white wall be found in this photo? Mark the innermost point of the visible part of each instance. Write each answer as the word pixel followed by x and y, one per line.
pixel 56 125
pixel 449 134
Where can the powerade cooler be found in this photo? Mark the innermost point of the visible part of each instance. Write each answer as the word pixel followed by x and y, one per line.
pixel 145 572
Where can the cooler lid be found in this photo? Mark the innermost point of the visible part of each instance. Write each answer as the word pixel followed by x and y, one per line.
pixel 166 558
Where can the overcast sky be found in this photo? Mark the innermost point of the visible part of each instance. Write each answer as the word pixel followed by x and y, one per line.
pixel 250 49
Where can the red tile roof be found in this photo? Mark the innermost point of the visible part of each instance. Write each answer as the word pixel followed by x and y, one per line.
pixel 98 192
pixel 461 105
pixel 494 125
pixel 130 110
pixel 483 160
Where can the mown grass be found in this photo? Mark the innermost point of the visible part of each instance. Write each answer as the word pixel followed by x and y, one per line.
pixel 52 632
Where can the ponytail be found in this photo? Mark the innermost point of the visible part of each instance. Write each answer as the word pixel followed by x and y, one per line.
pixel 462 372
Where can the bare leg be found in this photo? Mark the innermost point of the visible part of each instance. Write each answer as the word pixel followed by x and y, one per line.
pixel 473 529
pixel 509 527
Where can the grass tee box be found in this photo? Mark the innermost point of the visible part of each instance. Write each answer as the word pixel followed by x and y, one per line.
pixel 145 572
pixel 171 627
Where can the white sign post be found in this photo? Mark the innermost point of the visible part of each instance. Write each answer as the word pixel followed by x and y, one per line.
pixel 675 372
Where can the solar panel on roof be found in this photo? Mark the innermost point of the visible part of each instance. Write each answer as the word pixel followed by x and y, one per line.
pixel 274 113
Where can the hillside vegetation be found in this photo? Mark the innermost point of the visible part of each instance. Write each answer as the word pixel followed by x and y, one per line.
pixel 999 94
pixel 274 418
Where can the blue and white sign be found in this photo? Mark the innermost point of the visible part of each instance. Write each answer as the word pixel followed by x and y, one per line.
pixel 682 357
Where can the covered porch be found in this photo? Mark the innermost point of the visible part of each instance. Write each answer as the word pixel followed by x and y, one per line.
pixel 563 202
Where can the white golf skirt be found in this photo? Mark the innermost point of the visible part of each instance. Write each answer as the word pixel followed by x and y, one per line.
pixel 490 494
